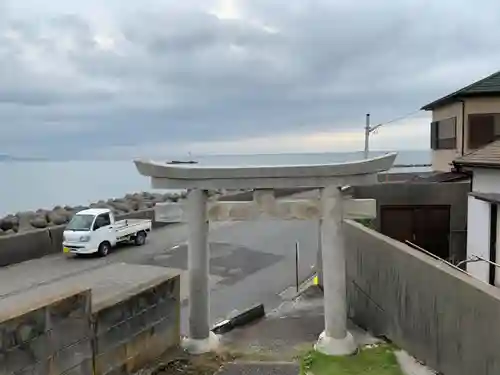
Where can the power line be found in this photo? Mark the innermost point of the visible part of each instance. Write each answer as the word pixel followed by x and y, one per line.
pixel 398 118
pixel 370 129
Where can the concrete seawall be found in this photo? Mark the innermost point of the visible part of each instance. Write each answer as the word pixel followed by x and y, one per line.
pixel 16 248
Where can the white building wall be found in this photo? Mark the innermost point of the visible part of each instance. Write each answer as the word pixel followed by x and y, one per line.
pixel 497 271
pixel 486 180
pixel 478 237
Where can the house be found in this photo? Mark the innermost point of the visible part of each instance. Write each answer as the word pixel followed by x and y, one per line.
pixel 483 222
pixel 464 121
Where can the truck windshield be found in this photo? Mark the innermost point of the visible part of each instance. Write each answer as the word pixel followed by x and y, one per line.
pixel 80 223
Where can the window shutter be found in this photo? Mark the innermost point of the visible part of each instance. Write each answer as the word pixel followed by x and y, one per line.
pixel 497 125
pixel 434 135
pixel 481 130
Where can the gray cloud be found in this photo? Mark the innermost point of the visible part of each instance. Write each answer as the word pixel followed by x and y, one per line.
pixel 180 74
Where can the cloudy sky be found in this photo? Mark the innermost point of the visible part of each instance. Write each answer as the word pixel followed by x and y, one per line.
pixel 123 78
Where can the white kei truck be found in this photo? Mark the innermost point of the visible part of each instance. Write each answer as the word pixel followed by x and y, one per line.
pixel 96 231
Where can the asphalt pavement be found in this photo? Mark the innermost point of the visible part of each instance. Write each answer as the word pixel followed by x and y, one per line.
pixel 250 263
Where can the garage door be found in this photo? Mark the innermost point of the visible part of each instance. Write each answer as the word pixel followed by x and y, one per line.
pixel 425 226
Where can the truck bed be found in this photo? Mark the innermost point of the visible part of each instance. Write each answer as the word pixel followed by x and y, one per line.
pixel 127 227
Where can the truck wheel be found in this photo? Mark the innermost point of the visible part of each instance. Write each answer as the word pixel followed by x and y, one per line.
pixel 104 249
pixel 140 239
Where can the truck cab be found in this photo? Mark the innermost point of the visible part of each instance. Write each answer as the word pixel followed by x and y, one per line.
pixel 96 231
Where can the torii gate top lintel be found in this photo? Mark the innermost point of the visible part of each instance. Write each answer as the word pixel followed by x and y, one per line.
pixel 166 176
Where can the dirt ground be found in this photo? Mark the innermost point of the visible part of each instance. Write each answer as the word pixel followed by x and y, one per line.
pixel 181 363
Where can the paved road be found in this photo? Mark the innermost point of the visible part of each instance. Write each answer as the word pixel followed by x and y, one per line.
pixel 250 262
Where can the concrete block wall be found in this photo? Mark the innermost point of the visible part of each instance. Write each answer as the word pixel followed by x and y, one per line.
pixel 45 333
pixel 441 315
pixel 453 194
pixel 48 337
pixel 135 328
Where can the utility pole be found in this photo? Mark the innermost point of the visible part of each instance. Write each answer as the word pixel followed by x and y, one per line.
pixel 369 129
pixel 367 135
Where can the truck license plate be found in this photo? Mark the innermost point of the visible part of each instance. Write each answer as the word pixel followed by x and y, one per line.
pixel 65 249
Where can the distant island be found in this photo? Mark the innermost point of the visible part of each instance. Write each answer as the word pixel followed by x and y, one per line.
pixel 7 158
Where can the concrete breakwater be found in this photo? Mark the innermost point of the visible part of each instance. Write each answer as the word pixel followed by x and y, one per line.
pixel 42 218
pixel 31 235
pixel 125 208
pixel 37 243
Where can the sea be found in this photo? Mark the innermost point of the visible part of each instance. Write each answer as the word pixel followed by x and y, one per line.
pixel 30 185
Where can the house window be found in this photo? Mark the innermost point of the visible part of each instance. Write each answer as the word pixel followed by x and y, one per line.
pixel 444 134
pixel 483 129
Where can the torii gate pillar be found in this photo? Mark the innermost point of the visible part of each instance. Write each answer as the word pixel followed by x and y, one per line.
pixel 330 210
pixel 335 339
pixel 198 269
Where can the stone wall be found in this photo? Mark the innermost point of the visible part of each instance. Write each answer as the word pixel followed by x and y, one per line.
pixel 133 329
pixel 48 338
pixel 439 314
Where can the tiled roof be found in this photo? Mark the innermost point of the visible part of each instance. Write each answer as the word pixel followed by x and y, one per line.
pixel 486 86
pixel 487 197
pixel 441 177
pixel 487 156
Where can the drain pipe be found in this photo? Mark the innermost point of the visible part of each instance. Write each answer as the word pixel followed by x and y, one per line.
pixel 463 126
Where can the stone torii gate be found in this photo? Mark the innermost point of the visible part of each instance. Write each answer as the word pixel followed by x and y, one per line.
pixel 330 209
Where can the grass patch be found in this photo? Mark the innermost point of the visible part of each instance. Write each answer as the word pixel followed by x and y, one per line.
pixel 379 360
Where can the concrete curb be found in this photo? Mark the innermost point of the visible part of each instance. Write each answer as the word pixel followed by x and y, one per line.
pixel 246 317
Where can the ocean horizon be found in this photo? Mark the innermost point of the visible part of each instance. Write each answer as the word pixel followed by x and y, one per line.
pixel 30 185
